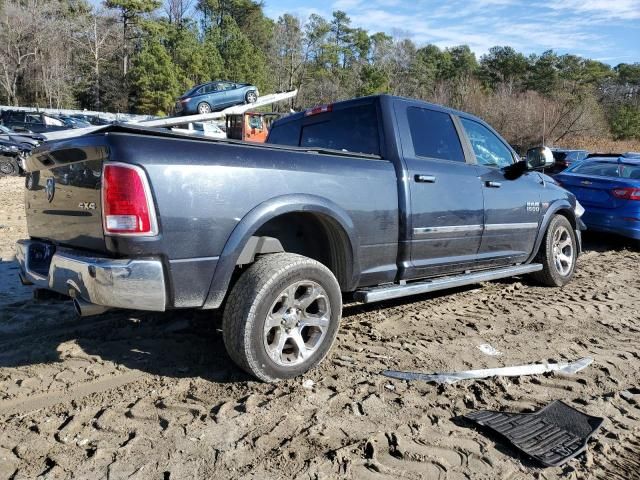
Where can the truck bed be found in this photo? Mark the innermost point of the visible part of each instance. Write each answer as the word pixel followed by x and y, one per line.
pixel 202 190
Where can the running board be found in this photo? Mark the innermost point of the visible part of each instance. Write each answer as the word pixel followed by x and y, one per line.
pixel 377 294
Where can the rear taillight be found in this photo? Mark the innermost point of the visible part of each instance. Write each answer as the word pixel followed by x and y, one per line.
pixel 627 193
pixel 127 206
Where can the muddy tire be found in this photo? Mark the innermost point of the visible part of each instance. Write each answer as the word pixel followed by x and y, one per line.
pixel 281 317
pixel 9 167
pixel 557 254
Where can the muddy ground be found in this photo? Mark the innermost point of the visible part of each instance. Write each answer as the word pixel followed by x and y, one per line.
pixel 155 396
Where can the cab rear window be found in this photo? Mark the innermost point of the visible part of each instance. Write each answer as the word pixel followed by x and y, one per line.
pixel 352 129
pixel 285 133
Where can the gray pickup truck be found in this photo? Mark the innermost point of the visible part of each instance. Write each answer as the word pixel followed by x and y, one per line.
pixel 368 199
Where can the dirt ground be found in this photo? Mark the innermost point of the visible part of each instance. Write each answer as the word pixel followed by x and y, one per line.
pixel 155 396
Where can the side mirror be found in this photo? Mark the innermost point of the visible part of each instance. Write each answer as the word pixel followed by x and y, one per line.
pixel 539 157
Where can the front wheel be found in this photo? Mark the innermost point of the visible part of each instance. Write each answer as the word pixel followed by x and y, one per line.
pixel 282 316
pixel 558 254
pixel 251 97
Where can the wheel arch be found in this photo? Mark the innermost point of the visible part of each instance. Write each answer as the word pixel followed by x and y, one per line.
pixel 560 207
pixel 200 102
pixel 335 222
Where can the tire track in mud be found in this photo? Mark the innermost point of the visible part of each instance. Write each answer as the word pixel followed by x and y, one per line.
pixel 32 403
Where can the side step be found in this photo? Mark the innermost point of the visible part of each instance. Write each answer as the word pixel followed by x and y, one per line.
pixel 377 294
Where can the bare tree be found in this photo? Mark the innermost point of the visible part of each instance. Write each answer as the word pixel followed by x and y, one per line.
pixel 178 10
pixel 288 52
pixel 97 37
pixel 18 44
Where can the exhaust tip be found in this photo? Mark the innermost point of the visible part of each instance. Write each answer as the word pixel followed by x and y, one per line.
pixel 86 309
pixel 77 308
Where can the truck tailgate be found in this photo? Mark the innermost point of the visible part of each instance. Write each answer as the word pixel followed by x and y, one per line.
pixel 63 196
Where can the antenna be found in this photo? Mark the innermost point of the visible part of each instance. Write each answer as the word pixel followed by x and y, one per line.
pixel 544 122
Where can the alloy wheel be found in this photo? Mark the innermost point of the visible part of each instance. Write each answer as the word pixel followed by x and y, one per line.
pixel 563 251
pixel 297 323
pixel 204 108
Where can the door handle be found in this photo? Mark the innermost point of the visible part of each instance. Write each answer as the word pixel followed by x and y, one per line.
pixel 491 184
pixel 425 179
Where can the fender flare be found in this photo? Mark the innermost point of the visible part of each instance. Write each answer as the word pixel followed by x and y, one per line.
pixel 269 210
pixel 554 208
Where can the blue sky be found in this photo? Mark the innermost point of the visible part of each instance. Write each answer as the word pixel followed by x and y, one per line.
pixel 606 30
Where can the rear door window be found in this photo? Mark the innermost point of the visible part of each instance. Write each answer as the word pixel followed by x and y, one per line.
pixel 352 129
pixel 434 135
pixel 33 119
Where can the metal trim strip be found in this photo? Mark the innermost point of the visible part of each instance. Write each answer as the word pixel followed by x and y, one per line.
pixel 511 226
pixel 475 228
pixel 447 229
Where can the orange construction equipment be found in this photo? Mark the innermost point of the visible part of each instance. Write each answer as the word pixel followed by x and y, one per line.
pixel 250 126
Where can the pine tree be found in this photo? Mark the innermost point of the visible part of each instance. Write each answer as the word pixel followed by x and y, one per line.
pixel 155 80
pixel 242 61
pixel 131 11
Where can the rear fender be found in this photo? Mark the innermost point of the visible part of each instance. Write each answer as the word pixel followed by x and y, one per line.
pixel 260 215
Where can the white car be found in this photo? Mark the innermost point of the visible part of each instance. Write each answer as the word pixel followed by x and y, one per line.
pixel 202 129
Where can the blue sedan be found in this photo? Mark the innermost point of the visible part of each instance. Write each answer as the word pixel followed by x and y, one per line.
pixel 217 95
pixel 609 190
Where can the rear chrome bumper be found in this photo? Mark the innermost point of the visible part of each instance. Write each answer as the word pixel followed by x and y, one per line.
pixel 136 284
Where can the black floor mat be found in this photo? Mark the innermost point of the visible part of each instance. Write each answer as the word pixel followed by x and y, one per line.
pixel 552 435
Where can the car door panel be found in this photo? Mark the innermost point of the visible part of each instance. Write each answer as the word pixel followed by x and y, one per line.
pixel 446 227
pixel 446 205
pixel 236 95
pixel 512 213
pixel 511 206
pixel 225 94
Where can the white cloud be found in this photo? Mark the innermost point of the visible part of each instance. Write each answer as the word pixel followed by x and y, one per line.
pixel 529 27
pixel 599 9
pixel 346 4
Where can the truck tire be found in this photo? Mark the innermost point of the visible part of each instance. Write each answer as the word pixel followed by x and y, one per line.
pixel 8 167
pixel 282 316
pixel 557 254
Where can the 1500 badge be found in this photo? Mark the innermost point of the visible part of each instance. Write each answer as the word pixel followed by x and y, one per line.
pixel 87 205
pixel 533 207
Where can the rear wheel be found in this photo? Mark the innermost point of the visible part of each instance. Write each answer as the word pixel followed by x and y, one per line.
pixel 8 166
pixel 251 97
pixel 558 254
pixel 204 107
pixel 282 316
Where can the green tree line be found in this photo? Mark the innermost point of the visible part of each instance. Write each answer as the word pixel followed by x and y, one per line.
pixel 140 55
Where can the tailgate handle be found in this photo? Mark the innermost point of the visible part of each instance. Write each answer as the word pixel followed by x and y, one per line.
pixel 492 184
pixel 425 178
